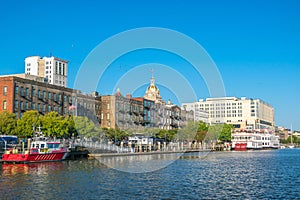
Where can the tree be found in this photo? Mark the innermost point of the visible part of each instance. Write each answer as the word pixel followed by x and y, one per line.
pixel 8 123
pixel 29 121
pixel 85 127
pixel 201 131
pixel 225 135
pixel 116 134
pixel 55 125
pixel 189 132
pixel 295 139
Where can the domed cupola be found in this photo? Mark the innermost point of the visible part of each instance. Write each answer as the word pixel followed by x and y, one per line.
pixel 152 92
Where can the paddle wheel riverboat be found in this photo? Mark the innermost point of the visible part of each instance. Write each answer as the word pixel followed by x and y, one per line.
pixel 39 151
pixel 243 140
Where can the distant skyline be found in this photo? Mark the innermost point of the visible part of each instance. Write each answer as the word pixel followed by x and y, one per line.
pixel 254 44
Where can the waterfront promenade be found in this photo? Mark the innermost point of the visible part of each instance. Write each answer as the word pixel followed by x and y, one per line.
pixel 97 149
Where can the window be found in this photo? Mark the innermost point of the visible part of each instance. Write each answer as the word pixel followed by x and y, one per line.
pixel 44 108
pixel 22 91
pixel 63 69
pixel 33 106
pixel 44 95
pixel 107 116
pixel 39 107
pixel 4 105
pixel 4 90
pixel 49 108
pixel 107 106
pixel 32 92
pixel 27 105
pixel 27 91
pixel 17 89
pixel 49 95
pixel 21 105
pixel 39 94
pixel 16 104
pixel 59 69
pixel 56 67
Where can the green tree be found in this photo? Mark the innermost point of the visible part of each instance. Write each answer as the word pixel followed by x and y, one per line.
pixel 29 121
pixel 225 135
pixel 201 131
pixel 55 125
pixel 116 134
pixel 295 140
pixel 213 132
pixel 162 134
pixel 189 132
pixel 70 126
pixel 85 127
pixel 8 123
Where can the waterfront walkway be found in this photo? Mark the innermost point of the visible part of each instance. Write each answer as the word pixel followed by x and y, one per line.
pixel 97 149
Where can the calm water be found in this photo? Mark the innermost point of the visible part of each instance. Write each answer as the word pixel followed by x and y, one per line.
pixel 224 175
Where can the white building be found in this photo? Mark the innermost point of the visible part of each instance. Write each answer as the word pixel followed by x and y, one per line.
pixel 239 112
pixel 199 114
pixel 55 70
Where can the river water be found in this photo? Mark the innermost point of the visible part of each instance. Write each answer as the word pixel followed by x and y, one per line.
pixel 219 175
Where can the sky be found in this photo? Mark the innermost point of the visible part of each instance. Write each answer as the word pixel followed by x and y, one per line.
pixel 255 45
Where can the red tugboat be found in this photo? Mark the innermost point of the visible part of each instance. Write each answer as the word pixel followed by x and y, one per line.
pixel 39 151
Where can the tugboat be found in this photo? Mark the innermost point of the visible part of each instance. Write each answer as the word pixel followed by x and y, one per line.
pixel 40 150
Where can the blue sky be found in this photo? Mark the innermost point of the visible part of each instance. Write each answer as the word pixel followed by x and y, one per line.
pixel 255 44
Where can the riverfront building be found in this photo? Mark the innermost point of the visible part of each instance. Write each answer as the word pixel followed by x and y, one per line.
pixel 137 113
pixel 23 92
pixel 43 88
pixel 239 112
pixel 54 70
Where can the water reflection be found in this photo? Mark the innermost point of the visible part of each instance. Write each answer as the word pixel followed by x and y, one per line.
pixel 220 175
pixel 147 163
pixel 36 168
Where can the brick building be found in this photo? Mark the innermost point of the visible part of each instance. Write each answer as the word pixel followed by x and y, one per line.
pixel 26 92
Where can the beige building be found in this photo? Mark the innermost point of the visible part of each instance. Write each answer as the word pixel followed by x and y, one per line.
pixel 122 112
pixel 282 132
pixel 239 112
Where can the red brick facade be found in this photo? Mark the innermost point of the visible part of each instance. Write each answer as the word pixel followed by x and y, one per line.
pixel 24 94
pixel 8 95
